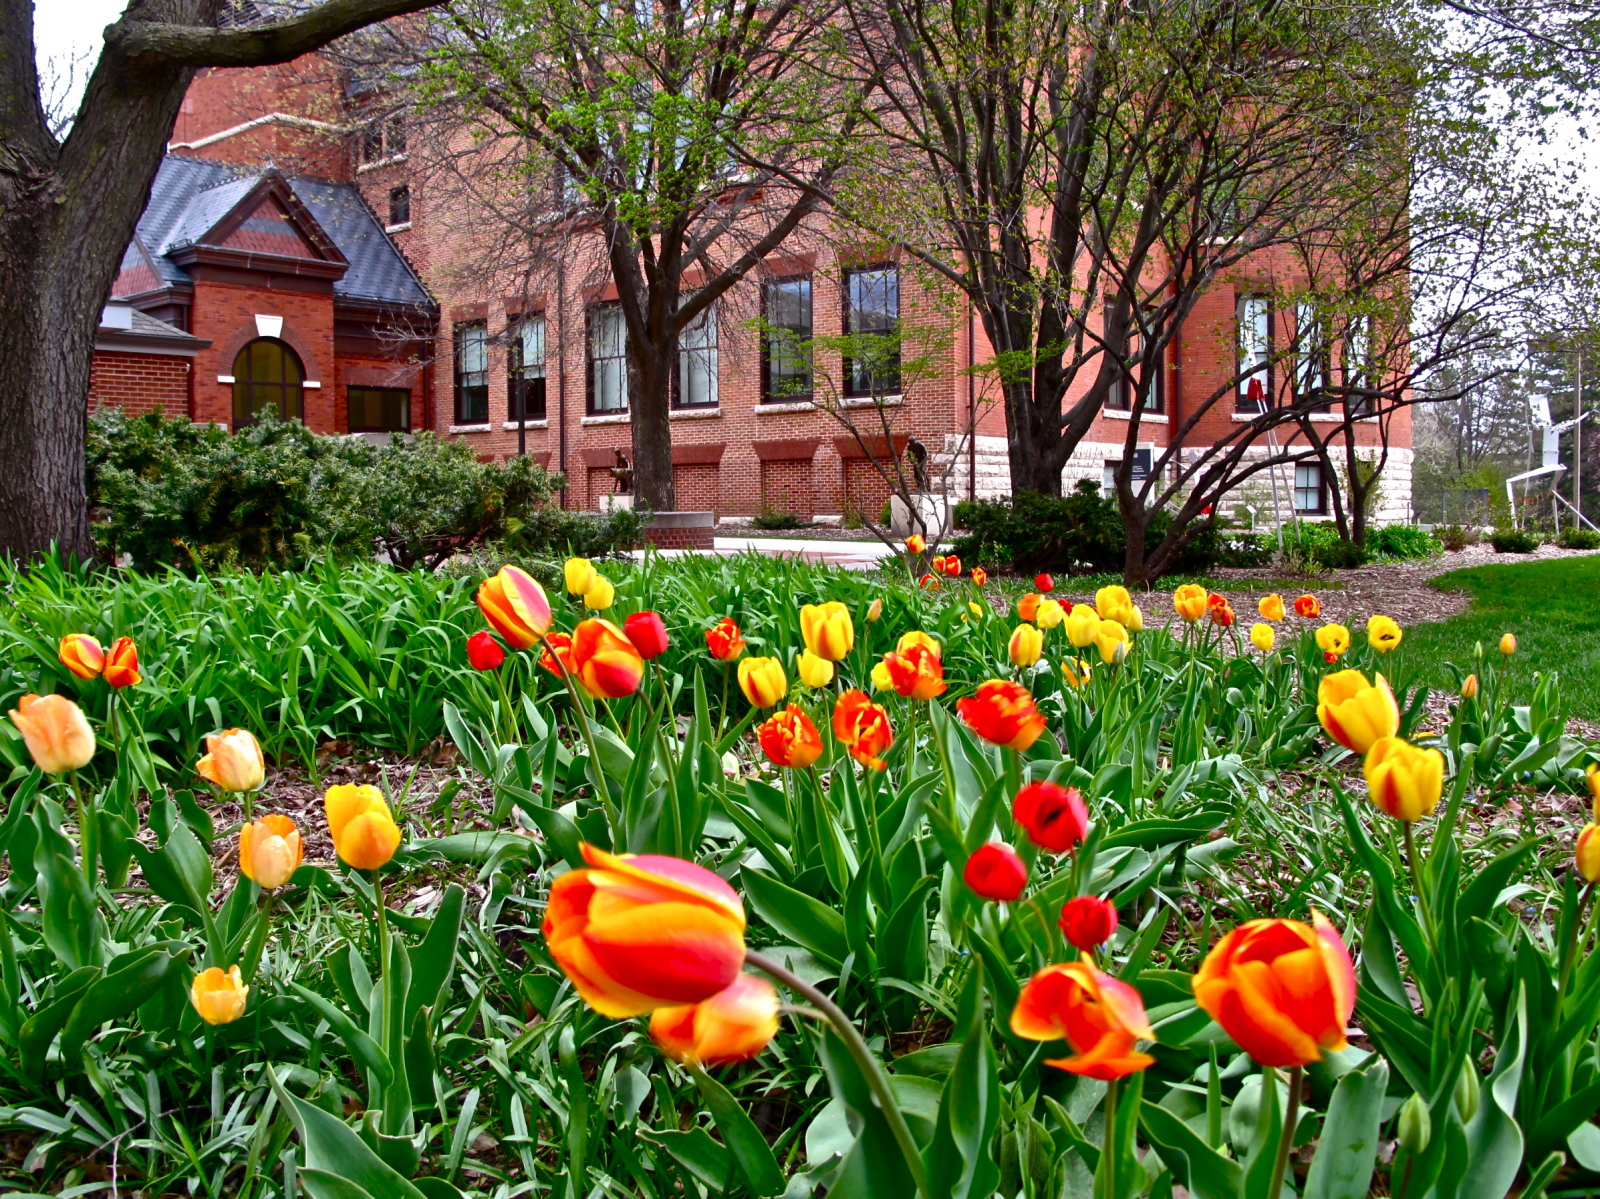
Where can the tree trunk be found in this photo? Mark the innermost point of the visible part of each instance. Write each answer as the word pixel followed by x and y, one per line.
pixel 650 403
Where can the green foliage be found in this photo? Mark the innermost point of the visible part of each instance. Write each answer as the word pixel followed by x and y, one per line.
pixel 1032 532
pixel 177 493
pixel 776 518
pixel 1402 542
pixel 1514 541
pixel 1316 545
pixel 1575 537
pixel 1457 537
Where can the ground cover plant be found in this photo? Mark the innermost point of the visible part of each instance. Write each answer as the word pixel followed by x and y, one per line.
pixel 718 878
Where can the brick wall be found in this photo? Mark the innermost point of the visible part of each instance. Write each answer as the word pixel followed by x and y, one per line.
pixel 789 487
pixel 139 383
pixel 698 487
pixel 226 314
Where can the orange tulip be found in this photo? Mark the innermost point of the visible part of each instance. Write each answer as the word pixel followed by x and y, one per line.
pixel 915 672
pixel 979 576
pixel 57 736
pixel 1308 606
pixel 1586 854
pixel 514 603
pixel 1271 606
pixel 1003 713
pixel 916 544
pixel 862 727
pixel 270 851
pixel 82 655
pixel 122 663
pixel 364 833
pixel 1281 989
pixel 732 1026
pixel 232 761
pixel 1189 601
pixel 1099 1016
pixel 639 932
pixel 789 738
pixel 605 661
pixel 1356 713
pixel 1028 606
pixel 724 641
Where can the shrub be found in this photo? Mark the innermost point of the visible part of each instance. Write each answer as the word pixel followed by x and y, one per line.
pixel 1513 541
pixel 1319 547
pixel 776 518
pixel 1573 538
pixel 1402 542
pixel 176 493
pixel 1457 537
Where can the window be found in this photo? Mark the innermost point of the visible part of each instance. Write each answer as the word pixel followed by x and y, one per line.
pixel 1310 357
pixel 608 360
pixel 785 358
pixel 399 206
pixel 525 368
pixel 372 143
pixel 1356 363
pixel 1308 494
pixel 697 362
pixel 472 373
pixel 1254 393
pixel 394 137
pixel 1124 389
pixel 383 139
pixel 379 409
pixel 266 378
pixel 872 310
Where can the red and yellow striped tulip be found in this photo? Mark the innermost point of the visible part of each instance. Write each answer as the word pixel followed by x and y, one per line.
pixel 515 605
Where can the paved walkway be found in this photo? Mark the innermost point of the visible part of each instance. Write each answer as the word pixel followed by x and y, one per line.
pixel 851 555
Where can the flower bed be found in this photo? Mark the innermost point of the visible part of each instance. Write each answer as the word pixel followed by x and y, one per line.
pixel 759 880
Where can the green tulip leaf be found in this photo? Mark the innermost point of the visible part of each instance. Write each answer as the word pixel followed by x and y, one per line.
pixel 810 922
pixel 1348 1147
pixel 739 1133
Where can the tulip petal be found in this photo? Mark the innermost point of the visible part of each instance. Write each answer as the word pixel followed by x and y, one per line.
pixel 673 952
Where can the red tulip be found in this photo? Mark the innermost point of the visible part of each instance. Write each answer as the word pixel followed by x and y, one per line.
pixel 484 652
pixel 928 582
pixel 1088 921
pixel 862 727
pixel 1003 713
pixel 952 566
pixel 996 871
pixel 561 645
pixel 1044 583
pixel 1054 817
pixel 648 632
pixel 122 663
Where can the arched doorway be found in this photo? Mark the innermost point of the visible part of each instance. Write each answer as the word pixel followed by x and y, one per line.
pixel 267 376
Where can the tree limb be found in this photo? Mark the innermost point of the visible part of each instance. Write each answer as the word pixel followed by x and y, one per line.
pixel 162 44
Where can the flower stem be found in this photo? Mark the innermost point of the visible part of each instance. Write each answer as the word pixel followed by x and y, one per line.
pixel 510 732
pixel 1569 953
pixel 88 832
pixel 865 1062
pixel 1291 1111
pixel 602 791
pixel 1108 1142
pixel 1415 867
pixel 383 940
pixel 258 942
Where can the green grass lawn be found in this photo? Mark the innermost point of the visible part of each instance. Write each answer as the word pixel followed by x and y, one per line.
pixel 1554 609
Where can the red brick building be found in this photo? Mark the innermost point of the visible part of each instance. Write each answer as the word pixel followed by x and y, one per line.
pixel 353 275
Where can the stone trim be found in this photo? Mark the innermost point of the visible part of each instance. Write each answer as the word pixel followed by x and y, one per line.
pixel 703 454
pixel 793 449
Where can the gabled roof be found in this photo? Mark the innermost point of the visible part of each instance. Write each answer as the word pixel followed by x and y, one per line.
pixel 199 202
pixel 123 327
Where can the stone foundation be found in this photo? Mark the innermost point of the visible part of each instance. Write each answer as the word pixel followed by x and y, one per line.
pixel 682 531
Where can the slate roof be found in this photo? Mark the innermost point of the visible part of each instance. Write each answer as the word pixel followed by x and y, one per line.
pixel 190 195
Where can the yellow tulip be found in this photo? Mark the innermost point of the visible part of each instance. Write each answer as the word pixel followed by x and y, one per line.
pixel 581 576
pixel 875 611
pixel 1356 713
pixel 1383 633
pixel 601 595
pixel 917 637
pixel 55 732
pixel 1082 623
pixel 219 995
pixel 270 851
pixel 828 630
pixel 1050 614
pixel 975 608
pixel 232 761
pixel 1025 646
pixel 1112 640
pixel 1469 687
pixel 364 833
pixel 881 679
pixel 1262 637
pixel 762 681
pixel 1075 672
pixel 1189 601
pixel 1333 639
pixel 814 671
pixel 1587 855
pixel 1404 781
pixel 1113 602
pixel 1271 606
pixel 1134 618
pixel 1508 644
pixel 1592 777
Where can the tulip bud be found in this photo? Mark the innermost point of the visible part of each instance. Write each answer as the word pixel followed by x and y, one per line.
pixel 1088 921
pixel 979 576
pixel 1415 1126
pixel 1508 644
pixel 1262 637
pixel 82 655
pixel 915 544
pixel 1468 1091
pixel 1469 687
pixel 762 681
pixel 1044 583
pixel 484 652
pixel 232 761
pixel 875 611
pixel 648 632
pixel 580 575
pixel 1026 644
pixel 600 596
pixel 55 732
pixel 219 995
pixel 996 872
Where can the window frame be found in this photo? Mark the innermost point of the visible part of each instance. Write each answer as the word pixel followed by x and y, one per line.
pixel 1242 403
pixel 405 408
pixel 283 386
pixel 891 386
pixel 590 358
pixel 768 396
pixel 519 374
pixel 1321 486
pixel 1358 341
pixel 706 321
pixel 1155 396
pixel 399 205
pixel 459 348
pixel 1311 364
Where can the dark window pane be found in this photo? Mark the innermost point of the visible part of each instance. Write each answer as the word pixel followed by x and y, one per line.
pixel 787 365
pixel 400 206
pixel 872 311
pixel 472 373
pixel 267 375
pixel 379 409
